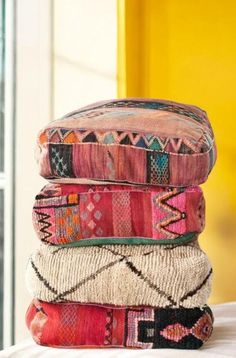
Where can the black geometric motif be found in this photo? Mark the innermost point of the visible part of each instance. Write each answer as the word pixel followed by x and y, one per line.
pixel 151 331
pixel 61 160
pixel 118 257
pixel 42 220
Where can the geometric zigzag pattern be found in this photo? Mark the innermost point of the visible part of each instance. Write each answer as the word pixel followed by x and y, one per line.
pixel 164 276
pixel 173 214
pixel 135 294
pixel 113 211
pixel 80 325
pixel 130 141
pixel 147 141
pixel 177 145
pixel 43 222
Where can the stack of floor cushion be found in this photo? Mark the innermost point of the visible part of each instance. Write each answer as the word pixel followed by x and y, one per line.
pixel 119 264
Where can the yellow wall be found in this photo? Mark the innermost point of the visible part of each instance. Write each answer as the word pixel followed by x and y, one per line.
pixel 185 50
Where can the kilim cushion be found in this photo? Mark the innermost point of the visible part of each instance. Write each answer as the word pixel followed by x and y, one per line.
pixel 80 215
pixel 140 141
pixel 154 275
pixel 77 325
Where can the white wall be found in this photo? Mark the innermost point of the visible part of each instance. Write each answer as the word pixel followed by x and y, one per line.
pixel 33 111
pixel 66 57
pixel 84 53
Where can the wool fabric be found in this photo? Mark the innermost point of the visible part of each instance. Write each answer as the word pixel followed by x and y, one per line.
pixel 129 275
pixel 139 141
pixel 80 326
pixel 81 215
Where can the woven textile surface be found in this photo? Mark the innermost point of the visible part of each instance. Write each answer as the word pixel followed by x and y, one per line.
pixel 153 275
pixel 104 214
pixel 133 140
pixel 78 325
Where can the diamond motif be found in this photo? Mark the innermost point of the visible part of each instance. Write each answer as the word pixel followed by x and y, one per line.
pixel 175 332
pixel 99 232
pixel 97 197
pixel 91 224
pixel 98 215
pixel 90 206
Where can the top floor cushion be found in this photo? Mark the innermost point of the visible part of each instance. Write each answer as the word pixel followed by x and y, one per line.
pixel 138 141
